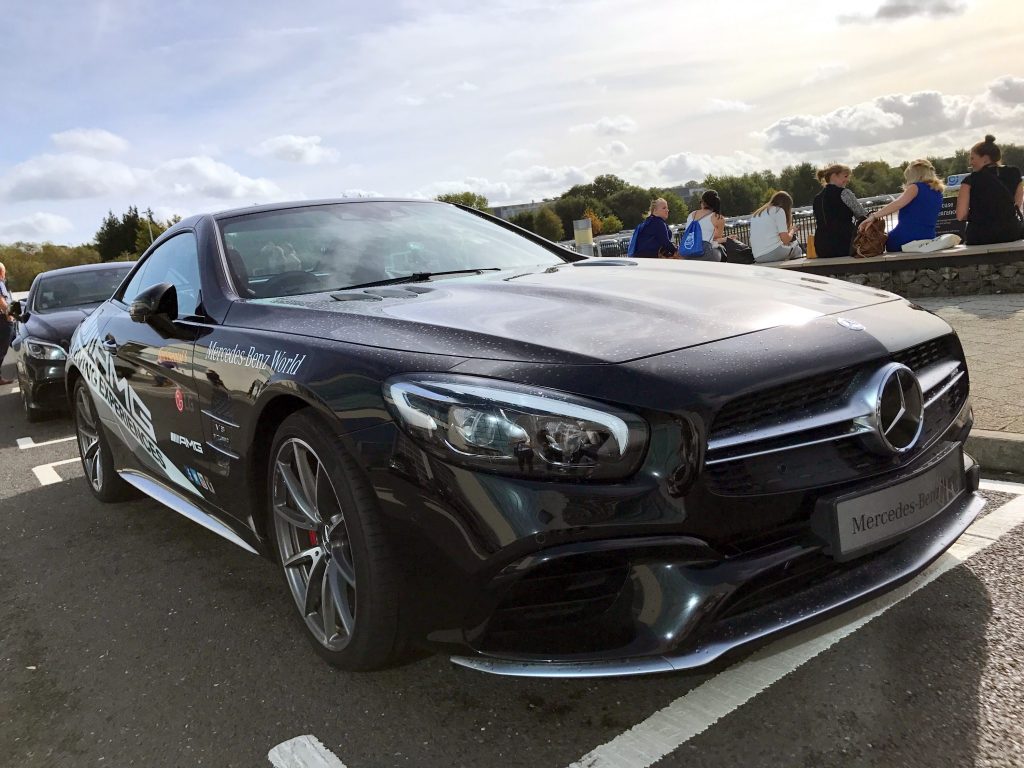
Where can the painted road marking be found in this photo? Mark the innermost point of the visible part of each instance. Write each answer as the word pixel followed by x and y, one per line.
pixel 28 442
pixel 303 752
pixel 47 475
pixel 692 714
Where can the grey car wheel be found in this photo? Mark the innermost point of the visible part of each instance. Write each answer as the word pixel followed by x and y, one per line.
pixel 335 559
pixel 97 463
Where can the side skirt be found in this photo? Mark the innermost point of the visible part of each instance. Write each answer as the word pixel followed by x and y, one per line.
pixel 169 498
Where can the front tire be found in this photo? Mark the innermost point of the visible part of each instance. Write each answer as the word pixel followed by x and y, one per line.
pixel 97 462
pixel 32 414
pixel 334 557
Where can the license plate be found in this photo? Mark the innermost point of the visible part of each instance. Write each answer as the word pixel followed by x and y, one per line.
pixel 864 522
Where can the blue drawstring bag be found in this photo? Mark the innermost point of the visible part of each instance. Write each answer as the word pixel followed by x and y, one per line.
pixel 691 245
pixel 631 251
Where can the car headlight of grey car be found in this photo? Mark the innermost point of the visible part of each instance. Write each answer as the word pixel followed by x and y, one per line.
pixel 517 430
pixel 43 350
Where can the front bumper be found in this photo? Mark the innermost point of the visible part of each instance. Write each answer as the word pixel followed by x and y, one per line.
pixel 688 614
pixel 43 382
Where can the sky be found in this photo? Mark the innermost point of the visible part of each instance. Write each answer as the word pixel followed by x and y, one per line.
pixel 189 107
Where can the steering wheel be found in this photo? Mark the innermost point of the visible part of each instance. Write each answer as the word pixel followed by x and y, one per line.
pixel 288 283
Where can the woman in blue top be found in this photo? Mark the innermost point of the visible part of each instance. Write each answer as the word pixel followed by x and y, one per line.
pixel 918 206
pixel 653 239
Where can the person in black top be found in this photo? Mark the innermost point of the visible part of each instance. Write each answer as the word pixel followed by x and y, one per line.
pixel 837 211
pixel 990 198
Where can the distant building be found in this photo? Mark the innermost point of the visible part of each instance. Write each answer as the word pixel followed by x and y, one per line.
pixel 508 211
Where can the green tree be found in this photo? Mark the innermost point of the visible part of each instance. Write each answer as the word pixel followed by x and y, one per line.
pixel 117 235
pixel 570 208
pixel 26 260
pixel 548 224
pixel 801 183
pixel 150 229
pixel 742 194
pixel 611 224
pixel 526 220
pixel 601 188
pixel 631 205
pixel 876 177
pixel 472 199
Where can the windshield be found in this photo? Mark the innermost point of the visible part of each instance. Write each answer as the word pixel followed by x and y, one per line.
pixel 331 247
pixel 77 289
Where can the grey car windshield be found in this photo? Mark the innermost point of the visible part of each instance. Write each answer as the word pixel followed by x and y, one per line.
pixel 331 247
pixel 59 292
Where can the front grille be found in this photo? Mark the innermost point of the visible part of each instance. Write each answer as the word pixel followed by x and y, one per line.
pixel 827 452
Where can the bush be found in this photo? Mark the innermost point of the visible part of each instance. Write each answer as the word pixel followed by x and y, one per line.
pixel 26 260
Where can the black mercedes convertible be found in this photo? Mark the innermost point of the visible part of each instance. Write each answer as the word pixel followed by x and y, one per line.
pixel 451 433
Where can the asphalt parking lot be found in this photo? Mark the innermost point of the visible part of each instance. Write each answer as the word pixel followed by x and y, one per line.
pixel 130 636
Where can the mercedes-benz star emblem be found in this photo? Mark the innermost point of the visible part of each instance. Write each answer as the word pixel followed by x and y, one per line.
pixel 897 410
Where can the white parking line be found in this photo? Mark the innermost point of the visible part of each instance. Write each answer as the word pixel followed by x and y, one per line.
pixel 668 729
pixel 303 752
pixel 28 442
pixel 47 475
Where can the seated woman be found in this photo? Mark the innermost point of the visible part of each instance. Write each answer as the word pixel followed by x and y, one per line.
pixel 990 198
pixel 837 211
pixel 712 224
pixel 653 239
pixel 918 206
pixel 772 236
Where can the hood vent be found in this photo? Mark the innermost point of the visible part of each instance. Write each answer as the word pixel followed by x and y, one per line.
pixel 378 294
pixel 604 263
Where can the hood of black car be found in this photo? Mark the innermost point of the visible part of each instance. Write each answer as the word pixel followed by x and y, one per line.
pixel 57 326
pixel 593 311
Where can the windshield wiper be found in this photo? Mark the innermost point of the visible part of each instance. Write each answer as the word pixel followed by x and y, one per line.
pixel 419 277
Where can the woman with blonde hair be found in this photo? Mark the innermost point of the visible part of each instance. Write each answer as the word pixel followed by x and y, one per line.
pixel 918 207
pixel 772 235
pixel 837 211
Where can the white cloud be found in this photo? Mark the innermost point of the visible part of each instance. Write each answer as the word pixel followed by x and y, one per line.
pixel 89 141
pixel 895 10
pixel 468 87
pixel 522 156
pixel 36 227
pixel 608 126
pixel 684 166
pixel 297 149
pixel 718 106
pixel 1008 89
pixel 896 117
pixel 66 177
pixel 614 149
pixel 206 177
pixel 412 101
pixel 825 72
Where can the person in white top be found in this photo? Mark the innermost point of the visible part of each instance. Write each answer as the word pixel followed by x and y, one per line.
pixel 772 236
pixel 712 223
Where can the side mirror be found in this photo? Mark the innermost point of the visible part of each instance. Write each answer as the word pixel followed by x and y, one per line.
pixel 15 310
pixel 157 306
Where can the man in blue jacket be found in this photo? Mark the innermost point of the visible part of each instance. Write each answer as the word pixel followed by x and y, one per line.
pixel 653 239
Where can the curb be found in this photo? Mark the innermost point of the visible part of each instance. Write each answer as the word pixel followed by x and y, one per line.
pixel 997 451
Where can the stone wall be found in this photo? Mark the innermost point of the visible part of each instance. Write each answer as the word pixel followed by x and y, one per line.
pixel 966 280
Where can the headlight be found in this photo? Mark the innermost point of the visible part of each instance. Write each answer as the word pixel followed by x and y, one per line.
pixel 44 350
pixel 517 430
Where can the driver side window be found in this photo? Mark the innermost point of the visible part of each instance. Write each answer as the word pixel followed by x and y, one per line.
pixel 176 262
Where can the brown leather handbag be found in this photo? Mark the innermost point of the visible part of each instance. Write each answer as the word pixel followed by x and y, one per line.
pixel 870 241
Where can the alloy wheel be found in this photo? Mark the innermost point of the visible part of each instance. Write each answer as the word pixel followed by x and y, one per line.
pixel 88 439
pixel 314 544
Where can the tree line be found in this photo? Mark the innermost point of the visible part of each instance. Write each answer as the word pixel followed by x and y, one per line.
pixel 612 203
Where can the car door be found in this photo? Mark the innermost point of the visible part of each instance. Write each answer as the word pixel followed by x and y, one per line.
pixel 149 371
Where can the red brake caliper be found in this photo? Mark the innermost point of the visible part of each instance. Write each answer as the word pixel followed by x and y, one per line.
pixel 313 539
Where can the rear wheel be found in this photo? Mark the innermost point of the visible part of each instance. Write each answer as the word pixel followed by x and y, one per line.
pixel 97 463
pixel 334 556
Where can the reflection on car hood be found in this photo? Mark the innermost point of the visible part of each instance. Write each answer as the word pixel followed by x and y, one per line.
pixel 57 326
pixel 598 311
